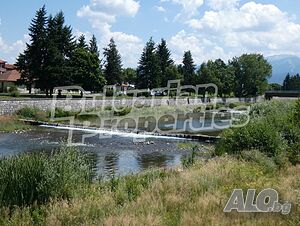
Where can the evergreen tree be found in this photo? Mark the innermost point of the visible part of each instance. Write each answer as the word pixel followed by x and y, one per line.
pixel 113 64
pixel 81 42
pixel 165 61
pixel 148 71
pixel 286 82
pixel 31 62
pixel 86 70
pixel 93 48
pixel 60 46
pixel 188 69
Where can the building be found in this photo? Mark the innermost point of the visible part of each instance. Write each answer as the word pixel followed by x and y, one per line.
pixel 9 76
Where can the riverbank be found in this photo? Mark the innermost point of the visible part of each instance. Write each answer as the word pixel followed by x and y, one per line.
pixel 195 195
pixel 12 124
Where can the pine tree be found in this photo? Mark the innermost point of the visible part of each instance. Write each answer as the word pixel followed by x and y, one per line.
pixel 113 64
pixel 148 71
pixel 93 47
pixel 165 61
pixel 286 82
pixel 60 46
pixel 81 42
pixel 31 62
pixel 188 69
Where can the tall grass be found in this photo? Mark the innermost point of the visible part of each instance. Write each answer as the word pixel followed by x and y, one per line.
pixel 36 178
pixel 191 196
pixel 10 124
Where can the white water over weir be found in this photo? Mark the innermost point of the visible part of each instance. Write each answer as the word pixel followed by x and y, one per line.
pixel 135 135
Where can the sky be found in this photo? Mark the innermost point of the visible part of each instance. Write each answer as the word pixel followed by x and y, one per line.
pixel 210 29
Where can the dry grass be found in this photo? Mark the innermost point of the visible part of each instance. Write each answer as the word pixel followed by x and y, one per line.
pixel 195 196
pixel 11 123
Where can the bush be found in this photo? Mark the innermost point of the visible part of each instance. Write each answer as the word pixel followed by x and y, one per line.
pixel 259 158
pixel 28 112
pixel 60 113
pixel 272 131
pixel 36 178
pixel 122 112
pixel 257 135
pixel 13 91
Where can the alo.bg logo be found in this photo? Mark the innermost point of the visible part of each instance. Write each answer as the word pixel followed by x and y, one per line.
pixel 266 201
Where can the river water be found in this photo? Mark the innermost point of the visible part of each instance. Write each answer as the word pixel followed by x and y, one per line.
pixel 117 153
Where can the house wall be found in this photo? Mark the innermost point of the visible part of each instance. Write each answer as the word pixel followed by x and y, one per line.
pixel 4 86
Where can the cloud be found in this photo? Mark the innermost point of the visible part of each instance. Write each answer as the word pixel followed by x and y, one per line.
pixel 252 27
pixel 222 4
pixel 102 14
pixel 189 8
pixel 160 9
pixel 10 51
pixel 202 49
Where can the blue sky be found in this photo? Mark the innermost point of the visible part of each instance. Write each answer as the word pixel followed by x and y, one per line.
pixel 211 29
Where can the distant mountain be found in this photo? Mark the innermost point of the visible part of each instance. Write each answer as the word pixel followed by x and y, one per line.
pixel 283 64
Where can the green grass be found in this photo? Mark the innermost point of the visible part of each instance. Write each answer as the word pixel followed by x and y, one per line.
pixel 186 196
pixel 30 179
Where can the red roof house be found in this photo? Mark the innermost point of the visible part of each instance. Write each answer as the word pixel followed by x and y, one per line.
pixel 9 76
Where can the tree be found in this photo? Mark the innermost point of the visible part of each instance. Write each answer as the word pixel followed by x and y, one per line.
pixel 148 71
pixel 22 65
pixel 93 47
pixel 81 43
pixel 218 73
pixel 188 69
pixel 60 47
pixel 286 82
pixel 129 75
pixel 291 82
pixel 86 70
pixel 165 61
pixel 113 64
pixel 251 74
pixel 31 62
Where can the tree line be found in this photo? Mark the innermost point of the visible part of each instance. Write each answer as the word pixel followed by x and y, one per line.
pixel 55 58
pixel 291 82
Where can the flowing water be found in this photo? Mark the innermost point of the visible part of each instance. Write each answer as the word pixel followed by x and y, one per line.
pixel 115 152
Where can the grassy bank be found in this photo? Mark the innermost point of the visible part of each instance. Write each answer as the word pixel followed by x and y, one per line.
pixel 11 124
pixel 188 196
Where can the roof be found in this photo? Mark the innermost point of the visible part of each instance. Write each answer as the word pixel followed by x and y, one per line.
pixel 10 76
pixel 10 66
pixel 2 62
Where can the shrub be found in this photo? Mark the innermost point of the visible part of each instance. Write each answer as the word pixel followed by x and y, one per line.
pixel 28 112
pixel 259 158
pixel 122 112
pixel 256 135
pixel 37 178
pixel 189 160
pixel 272 130
pixel 60 113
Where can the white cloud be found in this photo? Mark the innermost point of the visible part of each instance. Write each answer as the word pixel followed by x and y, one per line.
pixel 102 14
pixel 160 9
pixel 189 8
pixel 10 51
pixel 202 49
pixel 251 27
pixel 222 4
